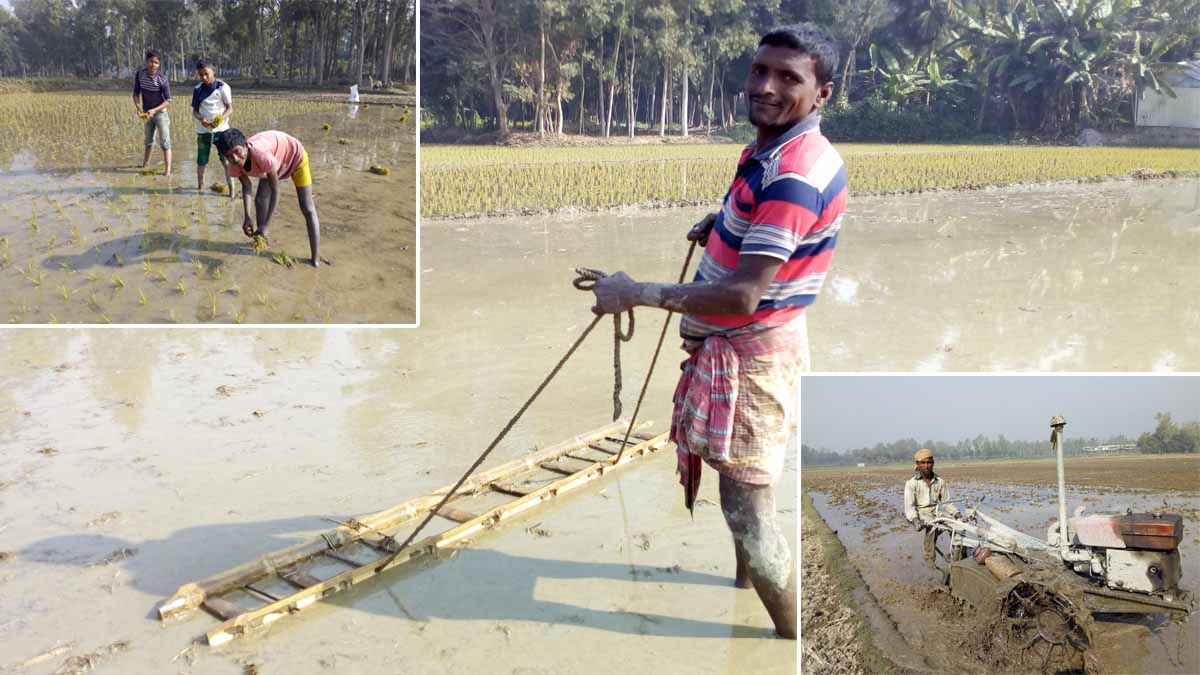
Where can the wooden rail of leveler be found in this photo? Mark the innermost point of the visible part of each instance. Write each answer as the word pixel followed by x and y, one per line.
pixel 191 596
pixel 247 622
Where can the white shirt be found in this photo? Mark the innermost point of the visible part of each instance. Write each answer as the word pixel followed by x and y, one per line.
pixel 214 105
pixel 921 497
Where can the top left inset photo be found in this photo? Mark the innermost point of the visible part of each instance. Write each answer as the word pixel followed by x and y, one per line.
pixel 182 162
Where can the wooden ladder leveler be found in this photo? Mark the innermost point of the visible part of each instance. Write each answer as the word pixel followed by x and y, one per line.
pixel 258 593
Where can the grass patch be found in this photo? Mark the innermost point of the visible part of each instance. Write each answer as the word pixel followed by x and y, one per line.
pixel 841 582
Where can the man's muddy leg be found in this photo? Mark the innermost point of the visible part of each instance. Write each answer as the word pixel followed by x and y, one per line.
pixel 262 201
pixel 750 513
pixel 741 578
pixel 309 209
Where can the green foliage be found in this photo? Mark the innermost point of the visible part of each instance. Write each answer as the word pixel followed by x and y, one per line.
pixel 1170 437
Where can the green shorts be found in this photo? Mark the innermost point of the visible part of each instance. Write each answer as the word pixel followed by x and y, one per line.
pixel 204 143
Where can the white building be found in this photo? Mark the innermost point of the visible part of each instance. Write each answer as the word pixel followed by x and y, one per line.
pixel 1172 121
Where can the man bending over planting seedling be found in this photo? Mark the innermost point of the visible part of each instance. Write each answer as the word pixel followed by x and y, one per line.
pixel 767 253
pixel 270 156
pixel 212 106
pixel 151 96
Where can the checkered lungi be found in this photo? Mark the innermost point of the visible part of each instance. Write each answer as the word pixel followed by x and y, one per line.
pixel 736 404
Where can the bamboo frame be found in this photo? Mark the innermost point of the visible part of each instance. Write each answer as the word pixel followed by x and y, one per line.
pixel 191 596
pixel 250 621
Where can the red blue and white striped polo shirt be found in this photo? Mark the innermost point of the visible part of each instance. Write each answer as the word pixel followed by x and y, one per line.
pixel 786 202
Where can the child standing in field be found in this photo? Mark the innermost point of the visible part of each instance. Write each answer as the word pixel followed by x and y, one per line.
pixel 212 106
pixel 151 96
pixel 270 156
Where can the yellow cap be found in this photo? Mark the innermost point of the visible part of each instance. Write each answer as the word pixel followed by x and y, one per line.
pixel 923 453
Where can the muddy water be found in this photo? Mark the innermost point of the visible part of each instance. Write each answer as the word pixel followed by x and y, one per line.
pixel 88 239
pixel 1080 277
pixel 889 556
pixel 160 466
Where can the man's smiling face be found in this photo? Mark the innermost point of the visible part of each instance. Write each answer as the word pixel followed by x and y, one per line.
pixel 782 87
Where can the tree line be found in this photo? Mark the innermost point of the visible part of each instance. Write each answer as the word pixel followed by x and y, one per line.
pixel 609 67
pixel 1168 436
pixel 295 41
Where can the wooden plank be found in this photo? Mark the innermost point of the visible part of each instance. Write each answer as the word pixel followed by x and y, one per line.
pixel 299 579
pixel 509 489
pixel 557 469
pixel 222 608
pixel 189 596
pixel 255 619
pixel 457 515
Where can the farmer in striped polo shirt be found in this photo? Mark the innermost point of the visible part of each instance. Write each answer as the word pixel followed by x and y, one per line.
pixel 151 96
pixel 766 255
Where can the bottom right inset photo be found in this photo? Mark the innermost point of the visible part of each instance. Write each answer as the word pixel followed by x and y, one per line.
pixel 1002 523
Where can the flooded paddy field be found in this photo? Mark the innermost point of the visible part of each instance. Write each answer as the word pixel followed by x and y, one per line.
pixel 87 237
pixel 924 628
pixel 129 470
pixel 1072 277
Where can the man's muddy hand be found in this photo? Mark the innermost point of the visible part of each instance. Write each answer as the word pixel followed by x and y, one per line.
pixel 248 227
pixel 701 230
pixel 615 294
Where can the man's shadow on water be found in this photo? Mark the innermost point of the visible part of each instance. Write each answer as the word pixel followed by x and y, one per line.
pixel 472 584
pixel 135 248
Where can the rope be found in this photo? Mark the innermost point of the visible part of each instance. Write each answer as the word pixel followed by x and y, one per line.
pixel 661 336
pixel 586 281
pixel 499 437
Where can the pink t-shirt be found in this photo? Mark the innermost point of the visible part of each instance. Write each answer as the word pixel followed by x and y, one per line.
pixel 271 150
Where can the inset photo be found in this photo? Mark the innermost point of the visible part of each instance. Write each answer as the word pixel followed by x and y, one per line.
pixel 200 163
pixel 1000 524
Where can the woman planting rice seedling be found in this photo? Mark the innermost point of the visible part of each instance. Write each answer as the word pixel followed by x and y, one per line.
pixel 151 96
pixel 212 106
pixel 270 156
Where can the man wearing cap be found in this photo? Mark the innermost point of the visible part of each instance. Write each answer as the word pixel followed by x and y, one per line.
pixel 924 491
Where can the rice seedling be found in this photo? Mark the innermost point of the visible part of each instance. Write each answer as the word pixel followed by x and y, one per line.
pixel 152 171
pixel 66 294
pixel 326 127
pixel 75 235
pixel 212 304
pixel 53 240
pixel 240 317
pixel 218 188
pixel 141 297
pixel 33 224
pixel 260 244
pixel 284 259
pixel 232 290
pixel 181 287
pixel 216 272
pixel 147 266
pixel 90 276
pixel 171 315
pixel 161 275
pixel 457 180
pixel 53 319
pixel 92 301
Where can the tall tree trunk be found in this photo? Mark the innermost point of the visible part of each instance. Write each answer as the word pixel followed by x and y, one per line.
pixel 360 52
pixel 541 90
pixel 662 124
pixel 393 18
pixel 600 83
pixel 712 81
pixel 612 84
pixel 630 92
pixel 582 87
pixel 683 103
pixel 487 25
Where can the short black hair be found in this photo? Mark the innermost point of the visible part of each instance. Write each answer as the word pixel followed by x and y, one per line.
pixel 810 39
pixel 152 53
pixel 203 64
pixel 227 139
